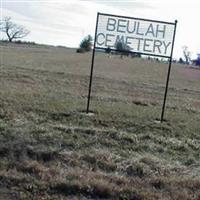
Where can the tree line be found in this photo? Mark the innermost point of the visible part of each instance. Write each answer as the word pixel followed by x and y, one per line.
pixel 15 31
pixel 123 49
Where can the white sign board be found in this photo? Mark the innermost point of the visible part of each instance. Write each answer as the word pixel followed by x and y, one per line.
pixel 143 36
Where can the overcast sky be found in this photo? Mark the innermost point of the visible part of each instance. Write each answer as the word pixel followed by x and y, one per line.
pixel 66 22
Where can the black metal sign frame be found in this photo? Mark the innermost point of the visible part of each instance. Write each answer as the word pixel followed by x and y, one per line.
pixel 155 55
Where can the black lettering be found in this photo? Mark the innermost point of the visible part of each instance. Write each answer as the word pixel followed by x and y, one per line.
pixel 157 45
pixel 121 26
pixel 166 46
pixel 128 43
pixel 138 29
pixel 162 31
pixel 111 24
pixel 146 45
pixel 108 39
pixel 102 41
pixel 120 39
pixel 133 27
pixel 150 30
pixel 139 42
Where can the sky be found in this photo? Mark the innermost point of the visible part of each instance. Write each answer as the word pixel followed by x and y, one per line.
pixel 66 22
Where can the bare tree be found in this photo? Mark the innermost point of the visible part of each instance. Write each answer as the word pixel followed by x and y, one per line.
pixel 13 31
pixel 186 54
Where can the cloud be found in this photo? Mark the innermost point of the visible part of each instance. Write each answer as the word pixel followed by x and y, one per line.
pixel 67 22
pixel 125 4
pixel 58 23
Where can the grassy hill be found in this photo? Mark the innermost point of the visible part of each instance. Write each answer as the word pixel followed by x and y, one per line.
pixel 49 149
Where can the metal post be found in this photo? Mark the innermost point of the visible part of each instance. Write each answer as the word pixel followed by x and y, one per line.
pixel 92 67
pixel 168 75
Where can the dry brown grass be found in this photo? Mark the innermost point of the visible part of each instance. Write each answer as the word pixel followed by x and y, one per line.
pixel 50 150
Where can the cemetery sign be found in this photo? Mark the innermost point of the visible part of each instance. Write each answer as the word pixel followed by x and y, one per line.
pixel 143 36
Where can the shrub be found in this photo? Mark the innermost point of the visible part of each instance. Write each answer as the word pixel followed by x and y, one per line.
pixel 80 50
pixel 108 50
pixel 86 44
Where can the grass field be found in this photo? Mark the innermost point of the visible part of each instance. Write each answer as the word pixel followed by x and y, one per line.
pixel 49 149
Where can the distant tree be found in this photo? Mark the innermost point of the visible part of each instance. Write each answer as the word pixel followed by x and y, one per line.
pixel 181 61
pixel 186 54
pixel 86 44
pixel 197 61
pixel 80 50
pixel 108 50
pixel 174 60
pixel 13 31
pixel 122 48
pixel 135 55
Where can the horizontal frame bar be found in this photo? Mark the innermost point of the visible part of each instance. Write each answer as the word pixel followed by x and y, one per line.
pixel 146 54
pixel 142 19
